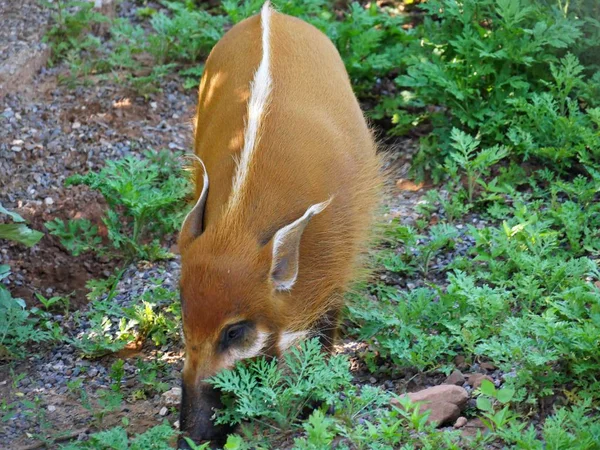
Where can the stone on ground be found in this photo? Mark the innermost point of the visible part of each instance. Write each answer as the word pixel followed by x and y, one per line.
pixel 444 402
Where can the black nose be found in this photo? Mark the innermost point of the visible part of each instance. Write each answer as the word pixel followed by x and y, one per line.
pixel 183 445
pixel 198 404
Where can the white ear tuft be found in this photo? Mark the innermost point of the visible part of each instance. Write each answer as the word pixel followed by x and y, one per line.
pixel 286 248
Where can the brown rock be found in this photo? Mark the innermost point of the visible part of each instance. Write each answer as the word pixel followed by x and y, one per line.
pixel 487 366
pixel 460 362
pixel 172 397
pixel 19 70
pixel 444 402
pixel 475 379
pixel 442 393
pixel 441 412
pixel 472 427
pixel 456 378
pixel 460 422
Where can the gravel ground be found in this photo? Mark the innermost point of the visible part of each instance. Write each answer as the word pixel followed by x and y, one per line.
pixel 45 374
pixel 23 24
pixel 53 132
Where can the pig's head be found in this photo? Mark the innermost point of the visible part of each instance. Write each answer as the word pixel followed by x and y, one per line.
pixel 231 295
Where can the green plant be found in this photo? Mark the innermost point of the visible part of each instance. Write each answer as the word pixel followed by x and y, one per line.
pixel 153 324
pixel 495 418
pixel 476 58
pixel 416 256
pixel 194 446
pixel 52 302
pixel 104 336
pixel 117 372
pixel 319 432
pixel 145 201
pixel 18 231
pixel 106 403
pixel 148 377
pixel 72 20
pixel 262 390
pixel 192 76
pixel 156 438
pixel 77 236
pixel 17 324
pixel 467 157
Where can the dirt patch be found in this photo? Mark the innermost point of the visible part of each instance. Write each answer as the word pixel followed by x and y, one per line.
pixel 117 116
pixel 48 267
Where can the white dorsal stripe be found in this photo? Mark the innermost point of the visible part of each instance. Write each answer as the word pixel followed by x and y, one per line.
pixel 260 90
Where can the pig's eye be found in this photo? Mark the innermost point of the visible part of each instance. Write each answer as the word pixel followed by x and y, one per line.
pixel 234 334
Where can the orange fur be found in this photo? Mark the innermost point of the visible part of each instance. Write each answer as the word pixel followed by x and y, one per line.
pixel 313 144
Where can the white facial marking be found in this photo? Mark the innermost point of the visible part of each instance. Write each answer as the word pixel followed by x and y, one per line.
pixel 236 355
pixel 260 90
pixel 289 338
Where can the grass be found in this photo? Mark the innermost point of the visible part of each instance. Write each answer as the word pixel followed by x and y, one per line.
pixel 505 96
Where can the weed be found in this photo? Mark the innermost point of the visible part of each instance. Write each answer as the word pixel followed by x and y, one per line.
pixel 148 377
pixel 53 302
pixel 72 19
pixel 261 390
pixel 156 438
pixel 494 418
pixel 77 236
pixel 145 200
pixel 117 372
pixel 18 326
pixel 18 231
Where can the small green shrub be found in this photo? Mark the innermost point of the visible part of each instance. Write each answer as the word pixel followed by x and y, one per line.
pixel 18 231
pixel 146 201
pixel 77 236
pixel 18 326
pixel 262 390
pixel 273 398
pixel 481 61
pixel 72 21
pixel 156 438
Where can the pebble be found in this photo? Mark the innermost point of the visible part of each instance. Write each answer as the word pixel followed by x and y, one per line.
pixel 51 408
pixel 172 397
pixel 48 201
pixel 163 411
pixel 460 422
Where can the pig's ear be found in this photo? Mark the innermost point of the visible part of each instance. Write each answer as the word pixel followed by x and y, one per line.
pixel 286 249
pixel 194 222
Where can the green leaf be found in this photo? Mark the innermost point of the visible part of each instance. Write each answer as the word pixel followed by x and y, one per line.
pixel 21 233
pixel 488 388
pixel 484 404
pixel 14 216
pixel 234 442
pixel 505 395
